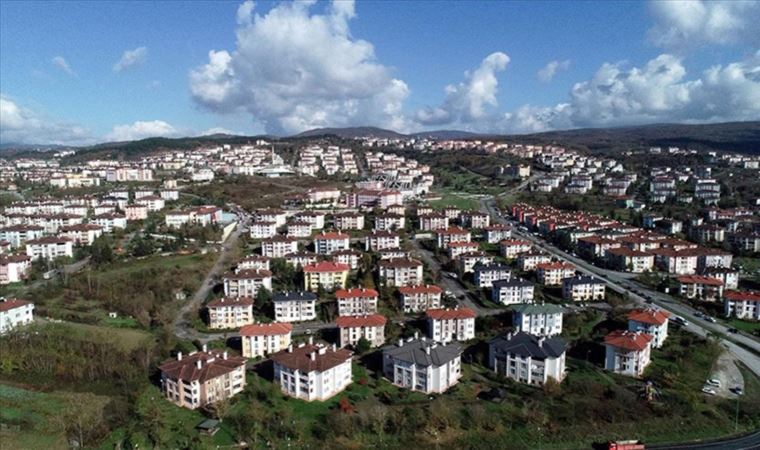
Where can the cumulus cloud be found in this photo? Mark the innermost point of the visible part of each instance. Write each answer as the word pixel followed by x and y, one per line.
pixel 22 125
pixel 295 69
pixel 141 130
pixel 695 22
pixel 546 74
pixel 131 59
pixel 657 92
pixel 219 130
pixel 60 62
pixel 469 100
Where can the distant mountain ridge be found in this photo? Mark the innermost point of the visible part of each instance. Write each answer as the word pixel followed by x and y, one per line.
pixel 743 137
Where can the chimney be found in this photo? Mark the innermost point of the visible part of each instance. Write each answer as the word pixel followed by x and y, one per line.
pixel 224 355
pixel 311 340
pixel 401 342
pixel 198 364
pixel 334 347
pixel 205 348
pixel 313 356
pixel 290 348
pixel 416 335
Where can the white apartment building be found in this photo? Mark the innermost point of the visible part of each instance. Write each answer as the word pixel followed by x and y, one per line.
pixel 528 359
pixel 400 272
pixel 262 230
pixel 552 274
pixel 512 291
pixel 446 325
pixel 328 243
pixel 742 304
pixel 583 288
pixel 487 274
pixel 349 221
pixel 420 298
pixel 109 221
pixel 627 352
pixel 651 321
pixel 202 378
pixel 539 320
pixel 49 247
pixel 357 301
pixel 422 365
pixel 14 313
pixel 230 312
pixel 278 247
pixel 14 268
pixel 312 372
pixel 18 234
pixel 368 326
pixel 381 240
pixel 295 306
pixel 246 282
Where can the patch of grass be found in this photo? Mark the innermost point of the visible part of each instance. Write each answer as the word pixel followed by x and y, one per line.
pixel 452 199
pixel 124 339
pixel 745 325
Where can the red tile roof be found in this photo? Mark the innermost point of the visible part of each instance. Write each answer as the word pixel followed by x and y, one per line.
pixel 751 296
pixel 12 303
pixel 557 265
pixel 628 340
pixel 452 230
pixel 369 320
pixel 650 315
pixel 331 235
pixel 420 289
pixel 245 274
pixel 299 358
pixel 266 329
pixel 230 301
pixel 355 292
pixel 449 314
pixel 213 364
pixel 698 279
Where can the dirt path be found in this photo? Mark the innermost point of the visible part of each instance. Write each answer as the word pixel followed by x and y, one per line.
pixel 728 373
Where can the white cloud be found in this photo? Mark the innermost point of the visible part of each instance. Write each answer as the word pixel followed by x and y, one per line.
pixel 23 126
pixel 657 92
pixel 468 101
pixel 695 22
pixel 546 74
pixel 131 59
pixel 294 69
pixel 141 130
pixel 244 12
pixel 219 130
pixel 61 63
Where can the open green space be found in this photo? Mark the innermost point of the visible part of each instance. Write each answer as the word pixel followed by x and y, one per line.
pixel 453 199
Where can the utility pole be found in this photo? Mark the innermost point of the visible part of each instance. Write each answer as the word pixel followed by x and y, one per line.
pixel 736 419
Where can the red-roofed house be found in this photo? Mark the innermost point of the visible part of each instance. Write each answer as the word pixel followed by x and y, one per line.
pixel 230 312
pixel 512 248
pixel 446 325
pixel 14 313
pixel 260 339
pixel 458 248
pixel 330 275
pixel 699 287
pixel 312 372
pixel 742 304
pixel 452 234
pixel 357 301
pixel 368 326
pixel 650 321
pixel 420 298
pixel 552 273
pixel 628 352
pixel 201 378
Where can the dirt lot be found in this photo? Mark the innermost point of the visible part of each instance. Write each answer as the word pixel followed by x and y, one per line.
pixel 728 373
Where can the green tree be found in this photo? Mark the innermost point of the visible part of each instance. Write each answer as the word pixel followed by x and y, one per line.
pixel 101 252
pixel 363 346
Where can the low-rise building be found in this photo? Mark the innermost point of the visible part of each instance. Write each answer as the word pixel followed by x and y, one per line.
pixel 263 230
pixel 202 378
pixel 446 325
pixel 552 274
pixel 83 233
pixel 15 313
pixel 700 287
pixel 538 320
pixel 349 221
pixel 628 260
pixel 527 262
pixel 452 234
pixel 368 326
pixel 422 365
pixel 14 268
pixel 50 247
pixel 512 291
pixel 512 248
pixel 278 246
pixel 312 372
pixel 327 243
pixel 358 301
pixel 487 274
pixel 400 272
pixel 329 275
pixel 294 306
pixel 627 352
pixel 246 282
pixel 381 240
pixel 651 321
pixel 583 288
pixel 742 304
pixel 496 233
pixel 415 299
pixel 230 312
pixel 528 359
pixel 261 339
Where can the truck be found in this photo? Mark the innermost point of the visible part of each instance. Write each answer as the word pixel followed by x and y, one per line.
pixel 631 444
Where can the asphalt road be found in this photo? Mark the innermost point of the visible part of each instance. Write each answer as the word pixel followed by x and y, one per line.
pixel 624 283
pixel 746 442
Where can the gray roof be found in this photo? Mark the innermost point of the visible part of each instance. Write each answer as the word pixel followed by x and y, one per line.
pixel 294 295
pixel 583 279
pixel 547 308
pixel 524 344
pixel 479 266
pixel 513 282
pixel 415 352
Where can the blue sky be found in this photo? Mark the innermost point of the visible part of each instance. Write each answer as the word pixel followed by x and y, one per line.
pixel 408 65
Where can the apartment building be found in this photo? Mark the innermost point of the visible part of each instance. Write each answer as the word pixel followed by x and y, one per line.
pixel 512 291
pixel 14 268
pixel 528 359
pixel 496 233
pixel 700 287
pixel 433 222
pixel 420 298
pixel 18 234
pixel 422 365
pixel 262 230
pixel 278 246
pixel 742 304
pixel 329 275
pixel 295 306
pixel 328 243
pixel 512 248
pixel 627 352
pixel 552 273
pixel 487 274
pixel 527 262
pixel 651 321
pixel 452 234
pixel 382 240
pixel 349 221
pixel 355 327
pixel 83 233
pixel 261 339
pixel 15 313
pixel 202 378
pixel 389 222
pixel 628 260
pixel 539 319
pixel 400 272
pixel 312 372
pixel 230 312
pixel 446 325
pixel 49 247
pixel 247 282
pixel 583 288
pixel 356 301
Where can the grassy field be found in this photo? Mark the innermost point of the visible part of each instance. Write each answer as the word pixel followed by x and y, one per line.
pixel 32 420
pixel 456 200
pixel 744 325
pixel 124 339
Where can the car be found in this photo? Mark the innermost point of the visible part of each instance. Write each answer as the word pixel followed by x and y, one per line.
pixel 710 319
pixel 709 390
pixel 732 330
pixel 737 390
pixel 649 301
pixel 699 314
pixel 449 293
pixel 714 382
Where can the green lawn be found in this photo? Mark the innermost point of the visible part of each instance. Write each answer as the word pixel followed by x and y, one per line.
pixel 125 339
pixel 456 200
pixel 744 325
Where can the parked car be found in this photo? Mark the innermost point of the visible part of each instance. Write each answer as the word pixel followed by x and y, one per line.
pixel 714 382
pixel 732 330
pixel 709 390
pixel 710 319
pixel 737 390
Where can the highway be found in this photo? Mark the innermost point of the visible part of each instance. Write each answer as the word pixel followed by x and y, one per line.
pixel 623 283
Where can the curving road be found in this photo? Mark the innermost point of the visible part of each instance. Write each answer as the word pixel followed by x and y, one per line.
pixel 745 442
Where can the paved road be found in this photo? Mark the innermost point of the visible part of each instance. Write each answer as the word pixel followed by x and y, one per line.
pixel 746 442
pixel 622 282
pixel 182 323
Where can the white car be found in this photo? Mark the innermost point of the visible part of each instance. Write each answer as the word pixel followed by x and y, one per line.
pixel 714 382
pixel 708 390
